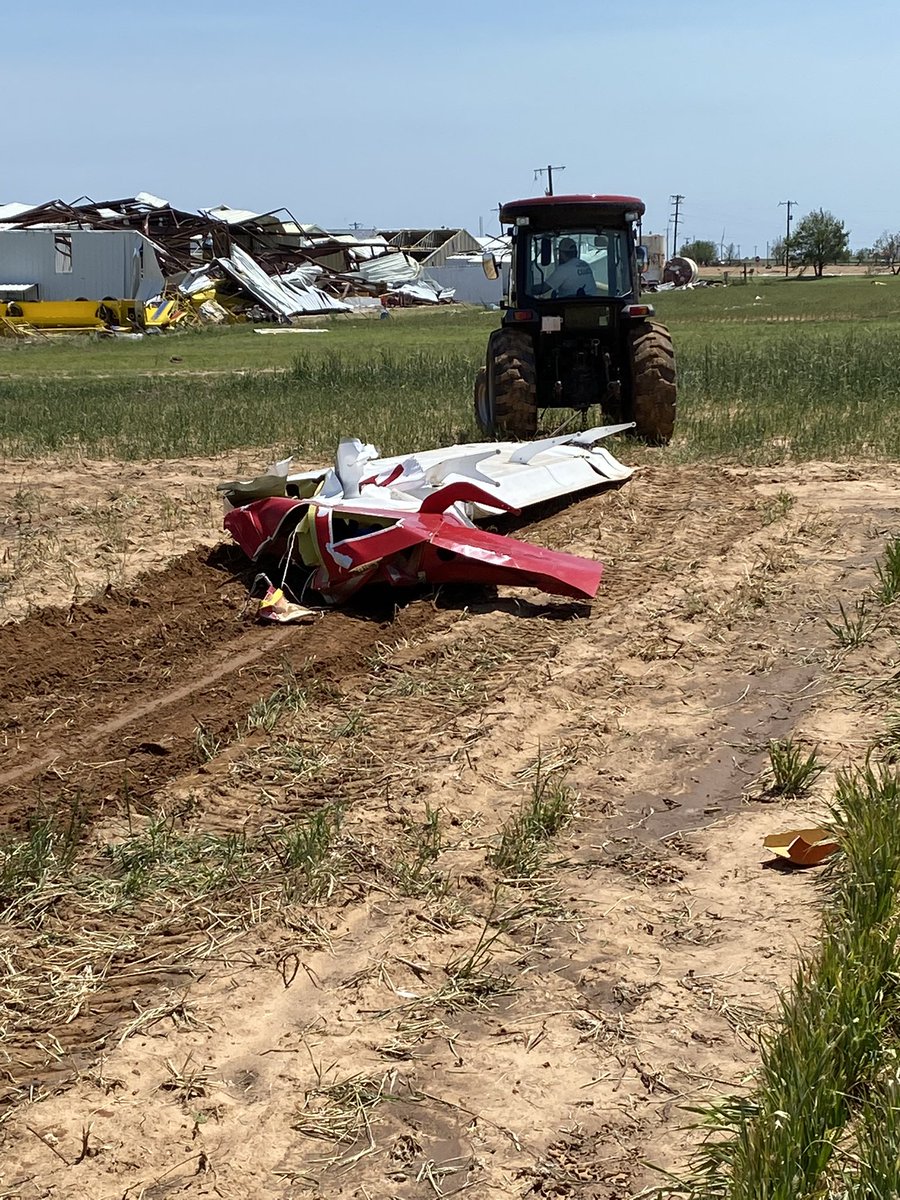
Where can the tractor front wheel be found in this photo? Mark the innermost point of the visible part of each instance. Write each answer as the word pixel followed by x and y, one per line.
pixel 506 389
pixel 653 382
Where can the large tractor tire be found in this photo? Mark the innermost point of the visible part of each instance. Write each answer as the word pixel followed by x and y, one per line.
pixel 653 382
pixel 506 389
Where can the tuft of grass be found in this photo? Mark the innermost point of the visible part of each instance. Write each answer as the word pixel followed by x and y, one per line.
pixel 341 1111
pixel 288 697
pixel 776 507
pixel 471 980
pixel 188 1081
pixel 206 744
pixel 888 571
pixel 547 810
pixel 45 853
pixel 889 741
pixel 413 868
pixel 307 854
pixel 791 771
pixel 854 628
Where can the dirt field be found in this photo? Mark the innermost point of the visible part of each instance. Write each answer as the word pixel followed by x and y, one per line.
pixel 489 1037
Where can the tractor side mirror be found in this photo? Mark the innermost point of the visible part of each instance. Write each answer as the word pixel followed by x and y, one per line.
pixel 489 266
pixel 642 254
pixel 546 252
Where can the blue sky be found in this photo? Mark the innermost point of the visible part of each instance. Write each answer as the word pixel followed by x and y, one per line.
pixel 407 114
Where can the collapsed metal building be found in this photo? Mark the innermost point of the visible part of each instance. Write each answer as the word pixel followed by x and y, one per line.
pixel 233 261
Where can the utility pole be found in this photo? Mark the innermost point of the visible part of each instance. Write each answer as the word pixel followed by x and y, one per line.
pixel 787 234
pixel 676 200
pixel 548 171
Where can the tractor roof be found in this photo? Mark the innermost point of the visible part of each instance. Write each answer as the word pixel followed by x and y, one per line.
pixel 552 210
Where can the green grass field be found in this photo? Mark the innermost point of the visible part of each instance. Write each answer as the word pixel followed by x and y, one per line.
pixel 770 371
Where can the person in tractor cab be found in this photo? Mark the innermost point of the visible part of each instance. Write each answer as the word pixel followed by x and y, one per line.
pixel 572 277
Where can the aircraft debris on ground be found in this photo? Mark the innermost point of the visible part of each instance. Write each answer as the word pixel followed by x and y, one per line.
pixel 412 519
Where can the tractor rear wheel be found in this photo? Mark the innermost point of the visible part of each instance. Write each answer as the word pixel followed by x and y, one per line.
pixel 506 390
pixel 653 382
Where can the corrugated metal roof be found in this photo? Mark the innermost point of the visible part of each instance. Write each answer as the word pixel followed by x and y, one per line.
pixel 9 211
pixel 395 267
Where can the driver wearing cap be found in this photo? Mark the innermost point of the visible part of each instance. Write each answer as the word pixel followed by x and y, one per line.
pixel 572 277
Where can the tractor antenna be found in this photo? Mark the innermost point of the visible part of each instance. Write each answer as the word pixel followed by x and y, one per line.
pixel 548 171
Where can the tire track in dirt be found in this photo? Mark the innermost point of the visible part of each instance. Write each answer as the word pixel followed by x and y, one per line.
pixel 102 702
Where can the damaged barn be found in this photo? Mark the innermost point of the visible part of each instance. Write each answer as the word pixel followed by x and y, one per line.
pixel 141 264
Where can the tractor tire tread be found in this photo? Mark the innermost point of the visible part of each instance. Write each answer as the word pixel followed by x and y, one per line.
pixel 653 382
pixel 515 383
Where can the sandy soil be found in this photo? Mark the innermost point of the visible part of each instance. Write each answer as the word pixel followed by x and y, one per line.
pixel 491 1036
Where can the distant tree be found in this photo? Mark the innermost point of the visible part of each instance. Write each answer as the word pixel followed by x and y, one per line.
pixel 863 255
pixel 819 238
pixel 776 251
pixel 887 250
pixel 703 253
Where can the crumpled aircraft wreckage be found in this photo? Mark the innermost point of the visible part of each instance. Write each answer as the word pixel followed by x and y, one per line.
pixel 414 519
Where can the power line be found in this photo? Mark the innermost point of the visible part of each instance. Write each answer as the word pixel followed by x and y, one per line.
pixel 548 171
pixel 677 201
pixel 787 234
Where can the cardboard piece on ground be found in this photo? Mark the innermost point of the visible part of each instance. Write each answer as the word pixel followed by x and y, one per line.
pixel 802 847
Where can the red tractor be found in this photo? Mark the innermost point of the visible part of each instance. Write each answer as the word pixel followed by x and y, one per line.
pixel 574 331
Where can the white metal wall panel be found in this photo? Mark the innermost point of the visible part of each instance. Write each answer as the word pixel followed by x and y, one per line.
pixel 122 264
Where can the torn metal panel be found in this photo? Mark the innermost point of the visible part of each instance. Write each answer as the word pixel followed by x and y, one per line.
pixel 391 268
pixel 351 545
pixel 520 474
pixel 283 300
pixel 425 291
pixel 803 847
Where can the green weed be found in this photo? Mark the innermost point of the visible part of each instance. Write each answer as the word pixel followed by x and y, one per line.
pixel 307 855
pixel 206 744
pixel 792 772
pixel 46 852
pixel 774 508
pixel 888 571
pixel 854 628
pixel 414 866
pixel 889 741
pixel 265 713
pixel 524 836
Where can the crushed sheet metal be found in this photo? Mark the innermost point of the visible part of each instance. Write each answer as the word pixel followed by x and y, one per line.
pixel 408 520
pixel 286 301
pixel 349 545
